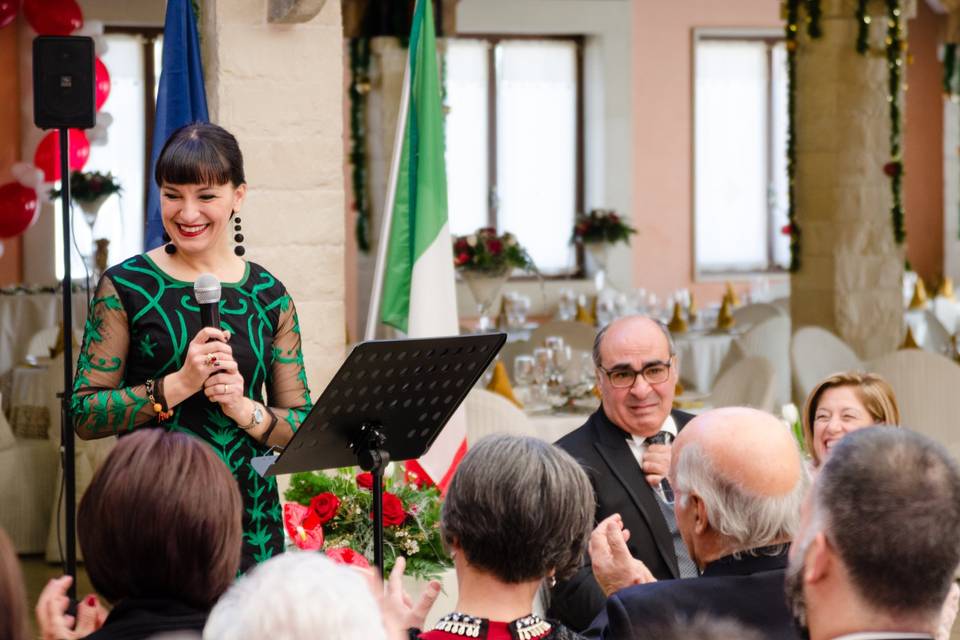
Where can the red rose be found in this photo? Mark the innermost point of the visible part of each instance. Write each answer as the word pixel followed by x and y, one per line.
pixel 495 246
pixel 893 169
pixel 365 480
pixel 303 525
pixel 346 555
pixel 582 228
pixel 393 513
pixel 325 506
pixel 487 231
pixel 787 229
pixel 463 258
pixel 614 217
pixel 460 245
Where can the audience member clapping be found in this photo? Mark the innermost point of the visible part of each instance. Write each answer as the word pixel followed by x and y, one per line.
pixel 160 530
pixel 842 403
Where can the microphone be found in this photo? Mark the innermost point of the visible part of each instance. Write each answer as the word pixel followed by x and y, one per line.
pixel 207 292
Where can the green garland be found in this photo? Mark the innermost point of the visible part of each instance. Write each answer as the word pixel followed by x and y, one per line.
pixel 895 47
pixel 863 27
pixel 359 88
pixel 813 18
pixel 791 31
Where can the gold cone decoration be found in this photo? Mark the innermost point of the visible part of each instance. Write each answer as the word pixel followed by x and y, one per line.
pixel 677 323
pixel 584 315
pixel 731 294
pixel 919 299
pixel 692 311
pixel 502 314
pixel 500 383
pixel 909 342
pixel 946 289
pixel 725 317
pixel 678 389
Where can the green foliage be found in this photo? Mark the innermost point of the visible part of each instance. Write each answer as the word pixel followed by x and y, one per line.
pixel 417 538
pixel 87 187
pixel 601 225
pixel 487 252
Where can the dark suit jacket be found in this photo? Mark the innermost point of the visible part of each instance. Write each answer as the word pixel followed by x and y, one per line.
pixel 748 590
pixel 620 487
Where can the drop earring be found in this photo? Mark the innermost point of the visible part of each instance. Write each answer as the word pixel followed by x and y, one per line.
pixel 238 237
pixel 168 246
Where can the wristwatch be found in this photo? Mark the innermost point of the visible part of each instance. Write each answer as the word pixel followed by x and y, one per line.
pixel 255 419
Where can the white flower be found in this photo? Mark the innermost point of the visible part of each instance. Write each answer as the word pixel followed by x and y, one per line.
pixel 411 546
pixel 472 240
pixel 790 413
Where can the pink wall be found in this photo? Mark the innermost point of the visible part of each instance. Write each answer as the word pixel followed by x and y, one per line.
pixel 663 130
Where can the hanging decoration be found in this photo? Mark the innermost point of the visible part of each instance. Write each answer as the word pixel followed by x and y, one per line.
pixel 102 83
pixel 863 27
pixel 896 47
pixel 18 209
pixel 47 156
pixel 359 88
pixel 53 17
pixel 8 13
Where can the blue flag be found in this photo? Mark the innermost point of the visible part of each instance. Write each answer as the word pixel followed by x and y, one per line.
pixel 181 98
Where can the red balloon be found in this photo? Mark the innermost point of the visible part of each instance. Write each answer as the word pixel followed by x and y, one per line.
pixel 8 11
pixel 103 83
pixel 47 156
pixel 18 209
pixel 53 17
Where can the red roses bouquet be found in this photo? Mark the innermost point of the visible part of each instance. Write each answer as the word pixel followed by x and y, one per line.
pixel 601 225
pixel 487 252
pixel 332 513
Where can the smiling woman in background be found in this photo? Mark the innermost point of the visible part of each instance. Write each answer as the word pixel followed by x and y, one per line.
pixel 845 402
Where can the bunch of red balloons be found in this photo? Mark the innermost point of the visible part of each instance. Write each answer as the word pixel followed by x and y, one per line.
pixel 18 200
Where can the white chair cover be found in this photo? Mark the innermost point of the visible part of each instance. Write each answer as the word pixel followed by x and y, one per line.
pixel 751 314
pixel 771 340
pixel 816 353
pixel 948 313
pixel 576 334
pixel 926 387
pixel 489 412
pixel 783 304
pixel 750 382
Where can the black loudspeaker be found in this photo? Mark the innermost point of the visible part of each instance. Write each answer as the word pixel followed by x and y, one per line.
pixel 63 82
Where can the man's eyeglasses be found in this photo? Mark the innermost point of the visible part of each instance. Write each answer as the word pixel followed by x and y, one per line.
pixel 653 373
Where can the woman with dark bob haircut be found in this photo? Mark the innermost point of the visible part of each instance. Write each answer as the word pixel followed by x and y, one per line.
pixel 146 359
pixel 160 530
pixel 518 511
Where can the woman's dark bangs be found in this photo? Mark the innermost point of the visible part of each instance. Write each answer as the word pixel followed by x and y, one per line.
pixel 191 161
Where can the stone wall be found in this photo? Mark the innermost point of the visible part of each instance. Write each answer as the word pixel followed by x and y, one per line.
pixel 850 280
pixel 278 88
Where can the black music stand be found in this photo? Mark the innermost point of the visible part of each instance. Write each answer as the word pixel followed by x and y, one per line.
pixel 389 401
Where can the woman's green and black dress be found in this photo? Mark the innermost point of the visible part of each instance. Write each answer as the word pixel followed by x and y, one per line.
pixel 140 325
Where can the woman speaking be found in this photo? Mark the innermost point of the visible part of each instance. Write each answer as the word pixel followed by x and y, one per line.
pixel 147 361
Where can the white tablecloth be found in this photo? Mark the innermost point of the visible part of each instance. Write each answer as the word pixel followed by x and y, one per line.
pixel 700 357
pixel 23 315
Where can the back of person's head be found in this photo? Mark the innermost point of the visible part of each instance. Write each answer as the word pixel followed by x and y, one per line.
pixel 161 519
pixel 889 503
pixel 746 469
pixel 200 153
pixel 873 391
pixel 297 596
pixel 13 602
pixel 519 508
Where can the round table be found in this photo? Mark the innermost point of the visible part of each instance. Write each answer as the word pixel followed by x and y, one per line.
pixel 701 354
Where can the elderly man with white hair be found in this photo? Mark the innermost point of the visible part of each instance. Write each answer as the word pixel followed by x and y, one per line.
pixel 739 483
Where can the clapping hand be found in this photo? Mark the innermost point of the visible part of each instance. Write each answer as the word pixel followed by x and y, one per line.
pixel 613 566
pixel 54 621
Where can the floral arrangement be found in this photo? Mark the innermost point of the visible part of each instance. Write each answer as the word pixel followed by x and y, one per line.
pixel 87 187
pixel 601 225
pixel 333 513
pixel 790 416
pixel 488 252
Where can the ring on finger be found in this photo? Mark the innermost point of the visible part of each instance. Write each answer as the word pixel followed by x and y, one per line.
pixel 226 387
pixel 211 360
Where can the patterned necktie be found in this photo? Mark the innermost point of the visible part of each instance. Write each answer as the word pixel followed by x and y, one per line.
pixel 662 438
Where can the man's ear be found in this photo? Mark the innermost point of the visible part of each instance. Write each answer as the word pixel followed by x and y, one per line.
pixel 820 560
pixel 700 523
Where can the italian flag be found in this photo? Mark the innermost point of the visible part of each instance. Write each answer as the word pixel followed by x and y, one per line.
pixel 419 298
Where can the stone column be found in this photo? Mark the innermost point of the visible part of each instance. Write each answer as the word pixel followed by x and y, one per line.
pixel 278 88
pixel 851 269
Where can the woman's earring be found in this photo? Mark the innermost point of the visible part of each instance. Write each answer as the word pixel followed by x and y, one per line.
pixel 238 238
pixel 169 247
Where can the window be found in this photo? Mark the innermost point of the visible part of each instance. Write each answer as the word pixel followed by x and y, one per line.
pixel 740 136
pixel 121 219
pixel 514 142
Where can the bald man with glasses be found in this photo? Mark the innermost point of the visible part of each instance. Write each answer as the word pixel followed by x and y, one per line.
pixel 625 449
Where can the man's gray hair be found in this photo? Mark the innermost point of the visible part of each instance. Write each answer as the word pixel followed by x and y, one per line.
pixel 747 520
pixel 889 502
pixel 519 508
pixel 598 340
pixel 297 594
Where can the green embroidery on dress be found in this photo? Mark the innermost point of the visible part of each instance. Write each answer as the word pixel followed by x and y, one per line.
pixel 147 345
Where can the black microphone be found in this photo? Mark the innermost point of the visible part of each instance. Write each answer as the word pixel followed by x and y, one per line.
pixel 207 292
